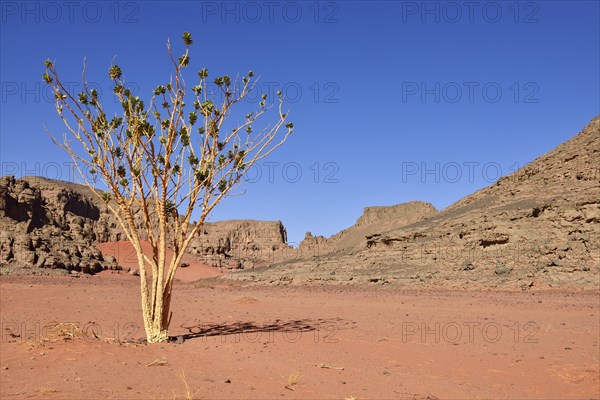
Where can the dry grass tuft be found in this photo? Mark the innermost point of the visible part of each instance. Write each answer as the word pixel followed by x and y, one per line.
pixel 188 394
pixel 63 331
pixel 246 300
pixel 293 381
pixel 48 390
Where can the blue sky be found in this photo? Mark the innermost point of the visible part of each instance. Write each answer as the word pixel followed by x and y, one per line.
pixel 392 101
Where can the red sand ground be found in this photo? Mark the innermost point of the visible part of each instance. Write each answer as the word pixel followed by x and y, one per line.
pixel 246 342
pixel 125 255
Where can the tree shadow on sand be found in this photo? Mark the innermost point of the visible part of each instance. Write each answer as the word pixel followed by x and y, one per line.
pixel 324 328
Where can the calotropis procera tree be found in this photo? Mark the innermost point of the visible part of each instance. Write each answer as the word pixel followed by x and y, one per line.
pixel 162 161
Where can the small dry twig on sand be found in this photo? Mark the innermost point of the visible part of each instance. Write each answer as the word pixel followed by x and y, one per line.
pixel 322 365
pixel 158 362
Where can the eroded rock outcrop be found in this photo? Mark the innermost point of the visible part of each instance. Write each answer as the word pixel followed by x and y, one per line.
pixel 238 244
pixel 56 224
pixel 48 225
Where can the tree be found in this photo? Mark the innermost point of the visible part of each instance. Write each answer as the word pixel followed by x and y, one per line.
pixel 158 160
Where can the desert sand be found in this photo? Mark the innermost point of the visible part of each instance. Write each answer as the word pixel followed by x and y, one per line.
pixel 78 337
pixel 124 253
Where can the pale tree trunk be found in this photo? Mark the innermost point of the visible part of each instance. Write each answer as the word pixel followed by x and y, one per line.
pixel 155 325
pixel 152 335
pixel 159 317
pixel 156 322
pixel 157 314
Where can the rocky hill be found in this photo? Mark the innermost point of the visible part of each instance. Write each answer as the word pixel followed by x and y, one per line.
pixel 372 221
pixel 56 225
pixel 538 227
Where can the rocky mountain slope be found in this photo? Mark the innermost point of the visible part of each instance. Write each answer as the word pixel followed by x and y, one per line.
pixel 538 227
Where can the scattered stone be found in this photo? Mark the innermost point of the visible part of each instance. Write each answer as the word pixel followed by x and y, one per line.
pixel 503 270
pixel 468 266
pixel 110 260
pixel 527 285
pixel 554 263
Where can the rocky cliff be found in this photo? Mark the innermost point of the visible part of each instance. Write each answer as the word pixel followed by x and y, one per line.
pixel 238 244
pixel 47 224
pixel 55 224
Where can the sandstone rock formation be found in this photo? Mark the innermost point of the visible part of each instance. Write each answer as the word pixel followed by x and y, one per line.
pixel 55 224
pixel 538 227
pixel 47 224
pixel 238 244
